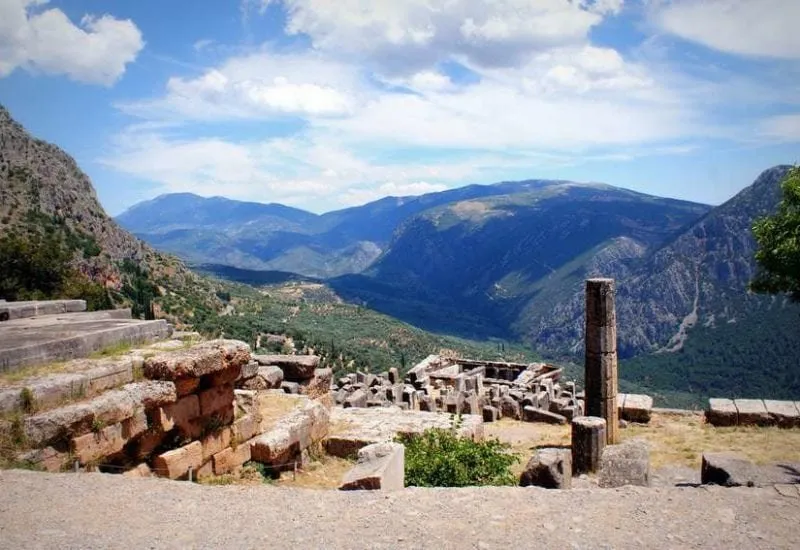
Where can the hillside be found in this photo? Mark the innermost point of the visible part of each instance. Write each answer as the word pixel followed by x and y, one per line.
pixel 486 258
pixel 50 218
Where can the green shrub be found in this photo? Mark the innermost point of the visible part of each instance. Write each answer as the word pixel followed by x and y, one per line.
pixel 439 458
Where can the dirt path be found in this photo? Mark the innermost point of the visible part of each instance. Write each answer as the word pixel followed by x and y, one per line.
pixel 103 511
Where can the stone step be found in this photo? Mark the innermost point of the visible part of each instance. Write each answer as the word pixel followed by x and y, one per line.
pixel 20 310
pixel 41 340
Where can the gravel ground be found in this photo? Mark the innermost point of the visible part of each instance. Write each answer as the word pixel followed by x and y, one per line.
pixel 103 511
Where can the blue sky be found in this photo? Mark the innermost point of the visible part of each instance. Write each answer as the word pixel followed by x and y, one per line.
pixel 322 105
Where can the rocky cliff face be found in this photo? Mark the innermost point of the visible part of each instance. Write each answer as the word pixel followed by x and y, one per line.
pixel 700 277
pixel 42 189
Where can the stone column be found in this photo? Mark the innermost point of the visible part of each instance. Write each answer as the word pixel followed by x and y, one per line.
pixel 588 442
pixel 600 367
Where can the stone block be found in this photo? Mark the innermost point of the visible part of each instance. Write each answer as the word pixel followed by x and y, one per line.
pixel 223 377
pixel 244 428
pixel 175 464
pixel 636 408
pixel 625 464
pixel 550 468
pixel 356 399
pixel 752 412
pixel 295 367
pixel 140 471
pixel 381 466
pixel 784 413
pixel 510 408
pixel 206 470
pixel 490 414
pixel 47 459
pixel 394 376
pixel 532 414
pixel 249 370
pixel 186 386
pixel 732 470
pixel 180 413
pixel 721 412
pixel 229 460
pixel 320 383
pixel 275 447
pixel 199 360
pixel 216 399
pixel 215 442
pixel 290 387
pixel 95 445
pixel 272 375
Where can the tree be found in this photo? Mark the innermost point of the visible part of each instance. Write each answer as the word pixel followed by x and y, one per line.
pixel 778 238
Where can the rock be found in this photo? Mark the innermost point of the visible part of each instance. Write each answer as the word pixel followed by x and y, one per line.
pixel 550 468
pixel 244 428
pixel 532 414
pixel 290 387
pixel 215 442
pixel 380 467
pixel 176 463
pixel 732 470
pixel 721 412
pixel 752 412
pixel 140 471
pixel 636 407
pixel 784 413
pixel 320 383
pixel 625 464
pixel 249 370
pixel 216 399
pixel 295 368
pixel 394 376
pixel 509 408
pixel 48 459
pixel 490 414
pixel 272 375
pixel 200 360
pixel 229 460
pixel 356 399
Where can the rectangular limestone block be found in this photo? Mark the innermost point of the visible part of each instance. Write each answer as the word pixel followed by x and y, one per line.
pixel 784 413
pixel 636 408
pixel 226 376
pixel 134 426
pixel 205 470
pixel 215 442
pixel 295 367
pixel 180 413
pixel 176 463
pixel 752 412
pixel 229 460
pixel 380 467
pixel 276 447
pixel 245 428
pixel 199 360
pixel 186 386
pixel 721 412
pixel 96 445
pixel 216 399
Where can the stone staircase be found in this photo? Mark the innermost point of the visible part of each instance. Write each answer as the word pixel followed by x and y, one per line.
pixel 36 333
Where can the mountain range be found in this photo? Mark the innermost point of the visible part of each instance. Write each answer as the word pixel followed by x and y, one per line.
pixel 509 260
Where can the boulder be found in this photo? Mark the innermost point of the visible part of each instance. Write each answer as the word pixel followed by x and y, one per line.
pixel 290 387
pixel 356 399
pixel 625 464
pixel 550 468
pixel 490 414
pixel 295 368
pixel 200 360
pixel 381 466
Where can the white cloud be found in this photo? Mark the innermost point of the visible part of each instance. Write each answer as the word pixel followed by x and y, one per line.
pixel 782 127
pixel 407 36
pixel 260 85
pixel 746 27
pixel 96 51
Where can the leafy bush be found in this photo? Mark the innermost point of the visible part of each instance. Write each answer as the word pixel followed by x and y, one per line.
pixel 439 458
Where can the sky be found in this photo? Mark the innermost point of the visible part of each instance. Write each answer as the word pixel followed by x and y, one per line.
pixel 324 104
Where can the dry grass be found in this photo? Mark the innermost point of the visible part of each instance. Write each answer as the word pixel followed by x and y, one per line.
pixel 325 473
pixel 674 440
